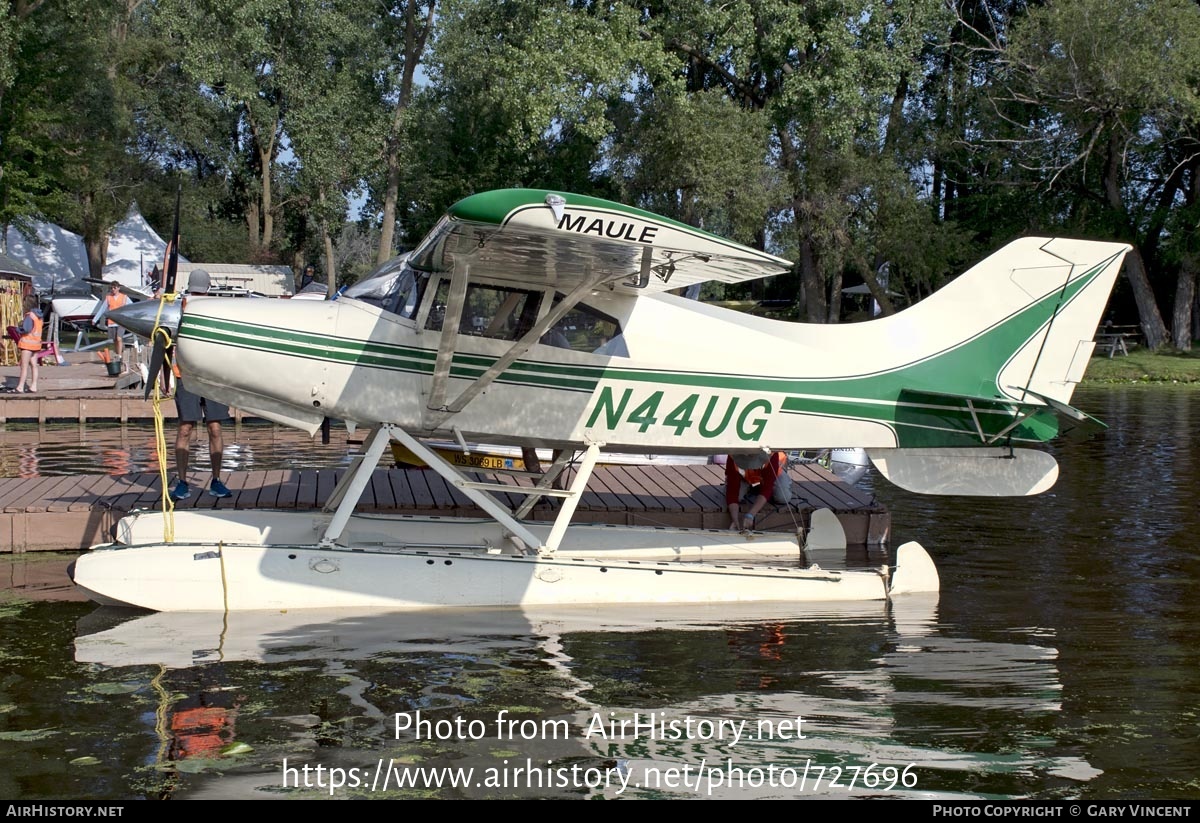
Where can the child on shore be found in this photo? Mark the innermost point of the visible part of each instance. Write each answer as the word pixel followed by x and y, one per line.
pixel 29 345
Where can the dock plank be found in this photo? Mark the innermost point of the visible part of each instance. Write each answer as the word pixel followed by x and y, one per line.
pixel 306 496
pixel 708 486
pixel 638 485
pixel 668 484
pixel 245 487
pixel 326 481
pixel 90 490
pixel 269 493
pixel 422 497
pixel 398 480
pixel 381 490
pixel 606 500
pixel 289 488
pixel 28 496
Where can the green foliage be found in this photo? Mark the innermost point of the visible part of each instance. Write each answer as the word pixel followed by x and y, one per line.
pixel 519 96
pixel 1144 366
pixel 698 158
pixel 841 133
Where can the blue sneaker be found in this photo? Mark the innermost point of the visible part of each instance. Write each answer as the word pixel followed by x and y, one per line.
pixel 217 489
pixel 181 491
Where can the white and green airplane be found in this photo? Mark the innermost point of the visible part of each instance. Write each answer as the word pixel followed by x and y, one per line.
pixel 546 319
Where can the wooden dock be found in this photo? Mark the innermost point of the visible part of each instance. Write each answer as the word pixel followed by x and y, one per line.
pixel 71 513
pixel 80 392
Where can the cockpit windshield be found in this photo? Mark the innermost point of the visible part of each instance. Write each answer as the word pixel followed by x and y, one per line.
pixel 393 287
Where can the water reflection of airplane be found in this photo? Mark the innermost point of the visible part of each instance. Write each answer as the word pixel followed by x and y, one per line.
pixel 457 340
pixel 875 683
pixel 912 713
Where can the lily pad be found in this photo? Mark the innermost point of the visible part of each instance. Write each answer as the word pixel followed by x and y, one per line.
pixel 86 760
pixel 116 688
pixel 27 735
pixel 237 747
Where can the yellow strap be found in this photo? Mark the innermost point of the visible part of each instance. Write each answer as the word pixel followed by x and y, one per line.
pixel 160 437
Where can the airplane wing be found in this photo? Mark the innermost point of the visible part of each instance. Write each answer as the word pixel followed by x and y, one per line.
pixel 536 237
pixel 128 291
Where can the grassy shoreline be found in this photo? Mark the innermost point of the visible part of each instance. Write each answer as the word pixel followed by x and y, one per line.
pixel 1143 366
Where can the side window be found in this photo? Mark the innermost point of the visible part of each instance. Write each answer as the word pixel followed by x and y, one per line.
pixel 488 311
pixel 393 287
pixel 586 329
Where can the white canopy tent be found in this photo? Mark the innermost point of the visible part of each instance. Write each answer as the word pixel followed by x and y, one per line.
pixel 56 255
pixel 60 258
pixel 134 249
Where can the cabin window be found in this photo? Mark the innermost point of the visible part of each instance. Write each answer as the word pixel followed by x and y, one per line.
pixel 393 287
pixel 496 312
pixel 586 329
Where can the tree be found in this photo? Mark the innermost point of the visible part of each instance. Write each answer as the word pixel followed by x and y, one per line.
pixel 236 52
pixel 330 84
pixel 402 33
pixel 1105 99
pixel 518 92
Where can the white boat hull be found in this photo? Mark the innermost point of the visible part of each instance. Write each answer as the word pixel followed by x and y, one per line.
pixel 267 560
pixel 75 309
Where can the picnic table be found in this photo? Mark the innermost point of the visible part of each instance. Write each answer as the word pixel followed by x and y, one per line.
pixel 1118 338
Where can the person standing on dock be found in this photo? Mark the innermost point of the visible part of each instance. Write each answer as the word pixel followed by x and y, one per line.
pixel 30 345
pixel 115 299
pixel 754 479
pixel 192 408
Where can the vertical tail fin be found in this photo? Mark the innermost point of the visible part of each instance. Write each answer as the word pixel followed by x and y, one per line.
pixel 1015 336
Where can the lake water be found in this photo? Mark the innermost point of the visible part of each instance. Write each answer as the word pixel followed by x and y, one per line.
pixel 1060 661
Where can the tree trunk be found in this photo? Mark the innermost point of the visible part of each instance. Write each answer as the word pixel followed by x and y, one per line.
pixel 95 239
pixel 391 194
pixel 878 286
pixel 1153 328
pixel 268 219
pixel 835 299
pixel 252 225
pixel 815 306
pixel 416 32
pixel 96 248
pixel 330 259
pixel 265 146
pixel 1185 296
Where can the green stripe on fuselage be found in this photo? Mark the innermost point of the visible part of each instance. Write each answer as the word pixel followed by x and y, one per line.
pixel 968 368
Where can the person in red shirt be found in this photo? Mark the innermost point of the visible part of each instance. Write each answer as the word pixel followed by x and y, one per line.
pixel 753 479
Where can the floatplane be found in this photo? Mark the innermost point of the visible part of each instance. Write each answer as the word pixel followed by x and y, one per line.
pixel 545 319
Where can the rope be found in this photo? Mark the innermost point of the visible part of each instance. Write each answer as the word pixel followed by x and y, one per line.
pixel 160 714
pixel 224 581
pixel 160 437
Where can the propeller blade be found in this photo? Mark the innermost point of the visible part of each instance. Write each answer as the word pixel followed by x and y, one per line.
pixel 158 355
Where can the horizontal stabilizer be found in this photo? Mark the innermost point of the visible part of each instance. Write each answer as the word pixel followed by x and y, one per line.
pixel 982 472
pixel 1073 423
pixel 994 418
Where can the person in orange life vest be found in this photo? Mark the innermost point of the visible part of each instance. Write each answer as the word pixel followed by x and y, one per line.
pixel 29 345
pixel 115 300
pixel 192 408
pixel 753 479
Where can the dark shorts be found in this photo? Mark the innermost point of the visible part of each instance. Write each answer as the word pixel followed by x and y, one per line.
pixel 192 408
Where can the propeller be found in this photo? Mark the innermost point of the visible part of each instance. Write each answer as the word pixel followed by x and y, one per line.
pixel 163 330
pixel 159 356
